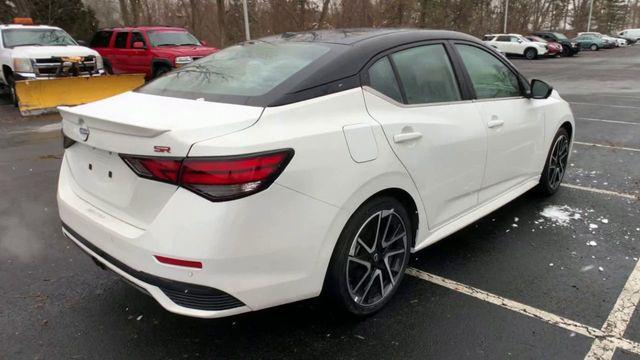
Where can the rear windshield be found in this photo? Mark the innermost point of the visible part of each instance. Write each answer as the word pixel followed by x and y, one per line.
pixel 238 73
pixel 172 38
pixel 35 37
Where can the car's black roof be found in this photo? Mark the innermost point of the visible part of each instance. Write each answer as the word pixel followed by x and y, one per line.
pixel 382 37
pixel 352 49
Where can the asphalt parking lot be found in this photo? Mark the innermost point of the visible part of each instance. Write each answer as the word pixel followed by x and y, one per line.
pixel 554 278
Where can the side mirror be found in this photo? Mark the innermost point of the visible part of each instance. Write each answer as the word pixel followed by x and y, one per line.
pixel 82 43
pixel 138 45
pixel 540 89
pixel 203 43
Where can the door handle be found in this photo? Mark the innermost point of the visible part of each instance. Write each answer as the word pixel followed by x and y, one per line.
pixel 404 137
pixel 495 123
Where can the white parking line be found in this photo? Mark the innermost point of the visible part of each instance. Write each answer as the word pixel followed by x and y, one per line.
pixel 600 191
pixel 610 121
pixel 605 341
pixel 606 146
pixel 618 320
pixel 607 105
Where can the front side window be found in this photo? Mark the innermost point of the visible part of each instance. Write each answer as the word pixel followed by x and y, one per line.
pixel 137 37
pixel 490 77
pixel 248 69
pixel 382 78
pixel 172 38
pixel 36 37
pixel 504 38
pixel 426 75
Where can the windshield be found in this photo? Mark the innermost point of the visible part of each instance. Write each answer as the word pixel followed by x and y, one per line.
pixel 560 36
pixel 246 70
pixel 36 37
pixel 172 38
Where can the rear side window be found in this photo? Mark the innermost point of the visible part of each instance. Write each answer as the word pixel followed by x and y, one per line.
pixel 504 38
pixel 426 75
pixel 382 78
pixel 250 69
pixel 101 39
pixel 121 40
pixel 490 77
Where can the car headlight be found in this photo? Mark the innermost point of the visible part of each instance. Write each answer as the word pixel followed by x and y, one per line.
pixel 182 60
pixel 99 62
pixel 22 65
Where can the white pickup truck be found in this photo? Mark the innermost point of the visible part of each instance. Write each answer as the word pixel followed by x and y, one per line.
pixel 38 51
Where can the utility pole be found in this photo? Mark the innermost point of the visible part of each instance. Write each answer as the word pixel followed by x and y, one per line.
pixel 506 14
pixel 246 20
pixel 590 12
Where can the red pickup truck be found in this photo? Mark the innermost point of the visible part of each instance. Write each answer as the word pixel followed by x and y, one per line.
pixel 152 50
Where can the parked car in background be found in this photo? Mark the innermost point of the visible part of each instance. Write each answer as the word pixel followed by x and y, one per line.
pixel 569 48
pixel 608 42
pixel 611 42
pixel 29 52
pixel 591 42
pixel 553 47
pixel 630 34
pixel 152 50
pixel 516 44
pixel 304 164
pixel 621 41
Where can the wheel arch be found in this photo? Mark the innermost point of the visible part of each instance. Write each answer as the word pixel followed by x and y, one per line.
pixel 6 71
pixel 569 127
pixel 530 48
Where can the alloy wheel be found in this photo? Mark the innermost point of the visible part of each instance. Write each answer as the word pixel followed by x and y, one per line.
pixel 558 161
pixel 376 258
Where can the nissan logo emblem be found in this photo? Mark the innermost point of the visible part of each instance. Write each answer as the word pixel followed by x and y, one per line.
pixel 83 130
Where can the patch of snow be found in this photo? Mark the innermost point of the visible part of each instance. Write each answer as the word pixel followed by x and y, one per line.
pixel 561 214
pixel 592 243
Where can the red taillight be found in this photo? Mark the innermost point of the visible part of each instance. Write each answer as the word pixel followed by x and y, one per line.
pixel 216 178
pixel 161 169
pixel 178 262
pixel 226 178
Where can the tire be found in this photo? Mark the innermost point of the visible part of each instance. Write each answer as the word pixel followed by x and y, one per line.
pixel 160 71
pixel 556 165
pixel 11 84
pixel 108 69
pixel 530 54
pixel 594 47
pixel 359 278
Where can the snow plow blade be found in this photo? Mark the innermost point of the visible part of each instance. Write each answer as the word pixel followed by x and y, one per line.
pixel 44 95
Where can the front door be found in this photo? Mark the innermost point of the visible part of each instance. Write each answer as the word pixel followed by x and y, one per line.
pixel 515 124
pixel 439 138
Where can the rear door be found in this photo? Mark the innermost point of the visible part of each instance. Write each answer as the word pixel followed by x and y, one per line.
pixel 515 124
pixel 503 42
pixel 437 134
pixel 119 62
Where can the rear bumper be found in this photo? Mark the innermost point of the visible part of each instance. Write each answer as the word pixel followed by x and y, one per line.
pixel 179 297
pixel 258 260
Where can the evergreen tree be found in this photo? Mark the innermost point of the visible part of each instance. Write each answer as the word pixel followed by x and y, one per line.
pixel 71 15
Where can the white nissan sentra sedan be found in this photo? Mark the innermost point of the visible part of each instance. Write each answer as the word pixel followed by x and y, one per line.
pixel 304 164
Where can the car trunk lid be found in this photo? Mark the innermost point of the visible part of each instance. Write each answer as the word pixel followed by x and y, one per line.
pixel 141 125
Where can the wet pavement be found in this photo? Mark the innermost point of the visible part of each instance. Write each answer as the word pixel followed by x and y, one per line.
pixel 55 303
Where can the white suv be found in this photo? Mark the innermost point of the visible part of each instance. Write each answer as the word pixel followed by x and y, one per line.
pixel 516 44
pixel 37 51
